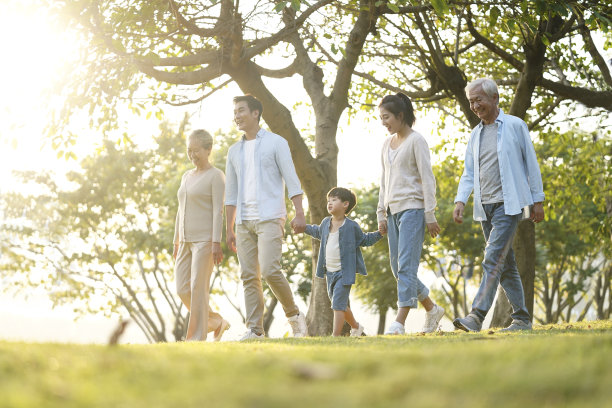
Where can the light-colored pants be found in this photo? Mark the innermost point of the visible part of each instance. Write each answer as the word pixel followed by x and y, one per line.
pixel 193 268
pixel 260 246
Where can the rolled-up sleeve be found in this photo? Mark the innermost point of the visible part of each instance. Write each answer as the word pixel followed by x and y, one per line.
pixel 428 181
pixel 287 169
pixel 231 179
pixel 466 183
pixel 381 211
pixel 218 193
pixel 531 162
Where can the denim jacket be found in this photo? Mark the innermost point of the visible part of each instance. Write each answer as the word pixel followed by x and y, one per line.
pixel 350 239
pixel 518 167
pixel 274 168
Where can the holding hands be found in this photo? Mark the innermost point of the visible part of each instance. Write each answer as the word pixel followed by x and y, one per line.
pixel 298 223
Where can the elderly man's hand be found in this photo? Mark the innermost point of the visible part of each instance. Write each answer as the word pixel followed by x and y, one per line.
pixel 231 240
pixel 538 212
pixel 458 212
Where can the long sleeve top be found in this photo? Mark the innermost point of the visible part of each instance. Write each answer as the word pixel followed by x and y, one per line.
pixel 200 213
pixel 351 238
pixel 518 167
pixel 274 168
pixel 408 182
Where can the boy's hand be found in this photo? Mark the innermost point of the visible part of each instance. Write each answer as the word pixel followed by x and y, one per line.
pixel 433 228
pixel 382 227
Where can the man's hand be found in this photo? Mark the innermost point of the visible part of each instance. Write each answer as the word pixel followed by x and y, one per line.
pixel 217 253
pixel 231 240
pixel 298 224
pixel 382 227
pixel 433 228
pixel 538 212
pixel 458 212
pixel 175 252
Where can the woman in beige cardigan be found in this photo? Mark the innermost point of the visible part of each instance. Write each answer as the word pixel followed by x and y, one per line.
pixel 406 205
pixel 197 237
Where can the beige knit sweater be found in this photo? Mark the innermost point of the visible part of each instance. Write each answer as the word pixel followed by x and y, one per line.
pixel 200 213
pixel 409 182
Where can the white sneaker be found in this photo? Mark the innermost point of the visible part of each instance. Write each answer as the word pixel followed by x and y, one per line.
pixel 298 325
pixel 251 335
pixel 395 328
pixel 358 331
pixel 432 319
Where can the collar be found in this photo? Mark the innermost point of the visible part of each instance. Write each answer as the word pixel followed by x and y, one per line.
pixel 260 133
pixel 499 119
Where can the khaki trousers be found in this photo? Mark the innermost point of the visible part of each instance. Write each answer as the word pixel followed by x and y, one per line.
pixel 260 246
pixel 193 269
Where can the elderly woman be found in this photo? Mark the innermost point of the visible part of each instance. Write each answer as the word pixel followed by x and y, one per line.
pixel 197 237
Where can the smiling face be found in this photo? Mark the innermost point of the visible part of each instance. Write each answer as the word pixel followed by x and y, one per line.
pixel 335 206
pixel 390 121
pixel 483 105
pixel 245 118
pixel 198 155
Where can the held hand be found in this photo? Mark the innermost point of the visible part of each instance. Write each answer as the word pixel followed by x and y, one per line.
pixel 298 224
pixel 217 253
pixel 433 228
pixel 458 212
pixel 175 252
pixel 382 227
pixel 231 240
pixel 538 213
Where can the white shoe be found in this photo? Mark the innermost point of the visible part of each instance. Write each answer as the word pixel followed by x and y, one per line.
pixel 432 319
pixel 251 335
pixel 358 331
pixel 298 325
pixel 395 328
pixel 222 328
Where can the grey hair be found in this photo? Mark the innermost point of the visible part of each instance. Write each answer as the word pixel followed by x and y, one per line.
pixel 488 86
pixel 203 137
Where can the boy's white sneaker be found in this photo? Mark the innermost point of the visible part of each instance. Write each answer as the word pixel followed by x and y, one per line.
pixel 432 319
pixel 251 335
pixel 358 331
pixel 395 328
pixel 298 325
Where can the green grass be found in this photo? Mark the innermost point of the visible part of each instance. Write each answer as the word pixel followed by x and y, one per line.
pixel 569 365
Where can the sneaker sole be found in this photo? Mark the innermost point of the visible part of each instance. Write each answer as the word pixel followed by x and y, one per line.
pixel 460 326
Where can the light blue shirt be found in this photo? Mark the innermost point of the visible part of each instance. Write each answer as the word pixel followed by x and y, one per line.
pixel 274 169
pixel 518 167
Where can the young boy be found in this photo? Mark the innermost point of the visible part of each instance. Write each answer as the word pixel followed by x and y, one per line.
pixel 340 256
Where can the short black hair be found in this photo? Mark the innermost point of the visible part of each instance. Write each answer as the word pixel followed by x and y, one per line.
pixel 253 103
pixel 399 103
pixel 344 194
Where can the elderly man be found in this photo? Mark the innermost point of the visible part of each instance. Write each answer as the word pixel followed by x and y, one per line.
pixel 502 170
pixel 258 166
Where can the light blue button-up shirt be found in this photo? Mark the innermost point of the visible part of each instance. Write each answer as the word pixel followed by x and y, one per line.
pixel 518 167
pixel 274 168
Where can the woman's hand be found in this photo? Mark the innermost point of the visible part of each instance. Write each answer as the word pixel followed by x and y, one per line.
pixel 382 227
pixel 433 228
pixel 217 253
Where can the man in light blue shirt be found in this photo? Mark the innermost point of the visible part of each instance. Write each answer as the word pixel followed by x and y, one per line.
pixel 258 166
pixel 502 169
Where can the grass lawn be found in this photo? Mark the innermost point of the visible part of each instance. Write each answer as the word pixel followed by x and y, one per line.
pixel 561 365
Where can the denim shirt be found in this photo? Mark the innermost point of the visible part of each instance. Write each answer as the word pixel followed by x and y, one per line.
pixel 518 167
pixel 350 239
pixel 274 168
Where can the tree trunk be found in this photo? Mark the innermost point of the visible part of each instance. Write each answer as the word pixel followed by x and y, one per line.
pixel 320 318
pixel 269 315
pixel 382 317
pixel 524 249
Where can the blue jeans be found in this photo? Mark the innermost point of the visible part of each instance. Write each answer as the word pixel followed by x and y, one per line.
pixel 406 232
pixel 499 265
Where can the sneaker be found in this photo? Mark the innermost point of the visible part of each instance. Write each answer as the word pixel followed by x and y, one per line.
pixel 251 335
pixel 221 329
pixel 432 319
pixel 395 328
pixel 517 325
pixel 358 331
pixel 470 323
pixel 298 325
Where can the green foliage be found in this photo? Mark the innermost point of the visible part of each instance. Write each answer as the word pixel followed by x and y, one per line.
pixel 551 366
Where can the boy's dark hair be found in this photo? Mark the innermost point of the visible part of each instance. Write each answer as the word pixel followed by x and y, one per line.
pixel 344 194
pixel 252 102
pixel 399 104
